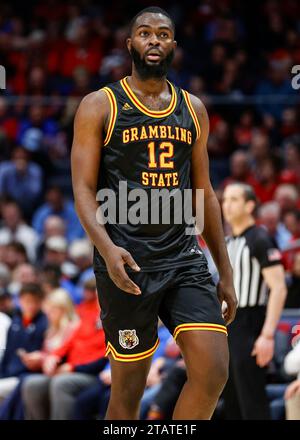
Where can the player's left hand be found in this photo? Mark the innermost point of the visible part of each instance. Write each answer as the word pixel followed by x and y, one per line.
pixel 263 350
pixel 227 294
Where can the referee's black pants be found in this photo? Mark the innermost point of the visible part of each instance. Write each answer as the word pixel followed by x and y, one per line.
pixel 244 394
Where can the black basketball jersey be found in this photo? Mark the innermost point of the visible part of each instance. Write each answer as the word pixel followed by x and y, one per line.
pixel 249 253
pixel 151 151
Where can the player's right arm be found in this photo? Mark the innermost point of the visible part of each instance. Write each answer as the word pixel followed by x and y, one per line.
pixel 89 126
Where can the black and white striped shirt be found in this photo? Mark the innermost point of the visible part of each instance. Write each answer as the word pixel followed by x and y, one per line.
pixel 249 253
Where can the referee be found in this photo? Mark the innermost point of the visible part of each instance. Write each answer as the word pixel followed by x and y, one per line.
pixel 259 283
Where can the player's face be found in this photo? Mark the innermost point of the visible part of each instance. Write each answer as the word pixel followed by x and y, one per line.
pixel 234 205
pixel 152 45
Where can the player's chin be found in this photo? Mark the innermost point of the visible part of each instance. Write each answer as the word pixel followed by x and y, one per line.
pixel 153 62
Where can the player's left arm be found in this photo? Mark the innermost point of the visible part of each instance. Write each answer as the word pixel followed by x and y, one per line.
pixel 264 345
pixel 212 229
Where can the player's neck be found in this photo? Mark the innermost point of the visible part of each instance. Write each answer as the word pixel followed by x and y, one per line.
pixel 243 224
pixel 151 86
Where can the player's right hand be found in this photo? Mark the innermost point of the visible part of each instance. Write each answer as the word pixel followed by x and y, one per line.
pixel 115 266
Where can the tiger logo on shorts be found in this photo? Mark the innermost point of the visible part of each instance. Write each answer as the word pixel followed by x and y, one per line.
pixel 128 339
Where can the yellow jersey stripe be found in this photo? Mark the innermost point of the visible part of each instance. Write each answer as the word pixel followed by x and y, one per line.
pixel 199 326
pixel 130 357
pixel 192 112
pixel 113 114
pixel 153 113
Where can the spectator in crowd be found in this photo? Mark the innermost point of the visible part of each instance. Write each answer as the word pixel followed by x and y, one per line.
pixel 52 395
pixel 247 131
pixel 6 303
pixel 292 367
pixel 15 229
pixel 267 179
pixel 37 132
pixel 239 169
pixel 5 276
pixel 291 172
pixel 277 83
pixel 49 277
pixel 21 179
pixel 57 205
pixel 269 216
pixel 81 254
pixel 287 196
pixel 55 250
pixel 24 273
pixel 62 322
pixel 293 296
pixel 15 254
pixel 53 226
pixel 259 150
pixel 5 322
pixel 291 219
pixel 26 332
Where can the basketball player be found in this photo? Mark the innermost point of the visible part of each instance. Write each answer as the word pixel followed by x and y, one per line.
pixel 149 133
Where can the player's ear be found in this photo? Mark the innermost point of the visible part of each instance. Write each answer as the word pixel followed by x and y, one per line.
pixel 175 44
pixel 128 44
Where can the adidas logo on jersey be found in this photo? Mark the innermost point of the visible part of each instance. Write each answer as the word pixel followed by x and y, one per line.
pixel 126 106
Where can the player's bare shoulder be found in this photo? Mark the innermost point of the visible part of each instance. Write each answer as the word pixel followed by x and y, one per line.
pixel 94 107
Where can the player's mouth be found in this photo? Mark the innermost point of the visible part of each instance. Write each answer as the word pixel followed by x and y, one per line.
pixel 153 56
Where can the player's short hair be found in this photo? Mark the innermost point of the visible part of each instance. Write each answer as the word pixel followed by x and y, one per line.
pixel 153 10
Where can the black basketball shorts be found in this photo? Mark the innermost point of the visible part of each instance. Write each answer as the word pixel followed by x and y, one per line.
pixel 183 298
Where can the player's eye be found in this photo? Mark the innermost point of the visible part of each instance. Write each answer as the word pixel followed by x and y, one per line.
pixel 164 35
pixel 144 33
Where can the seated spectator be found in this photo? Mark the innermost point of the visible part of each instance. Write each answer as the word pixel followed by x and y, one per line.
pixel 269 217
pixel 291 172
pixel 15 229
pixel 54 226
pixel 267 179
pixel 259 149
pixel 26 332
pixel 244 130
pixel 291 219
pixel 239 169
pixel 57 205
pixel 8 123
pixel 62 322
pixel 276 84
pixel 292 393
pixel 55 250
pixel 287 197
pixel 164 401
pixel 5 322
pixel 5 276
pixel 15 254
pixel 52 394
pixel 293 283
pixel 37 131
pixel 21 180
pixel 24 273
pixel 81 254
pixel 6 303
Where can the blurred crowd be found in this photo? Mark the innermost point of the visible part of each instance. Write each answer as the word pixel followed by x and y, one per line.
pixel 237 57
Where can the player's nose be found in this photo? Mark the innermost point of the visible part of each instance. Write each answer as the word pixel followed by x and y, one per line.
pixel 153 41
